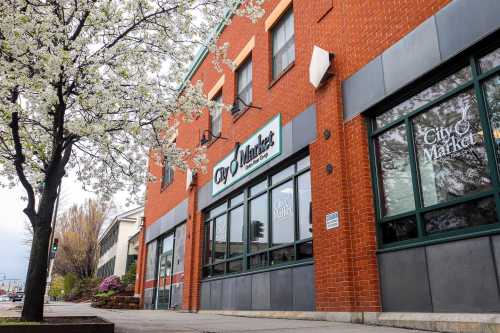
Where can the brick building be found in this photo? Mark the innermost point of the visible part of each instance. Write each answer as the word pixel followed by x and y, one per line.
pixel 377 191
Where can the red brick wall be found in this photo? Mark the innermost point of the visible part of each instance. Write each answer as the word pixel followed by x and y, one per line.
pixel 356 31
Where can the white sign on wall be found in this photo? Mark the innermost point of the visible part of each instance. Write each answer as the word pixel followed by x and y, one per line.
pixel 260 148
pixel 332 220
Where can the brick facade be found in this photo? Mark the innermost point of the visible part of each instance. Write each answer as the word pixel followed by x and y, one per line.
pixel 355 31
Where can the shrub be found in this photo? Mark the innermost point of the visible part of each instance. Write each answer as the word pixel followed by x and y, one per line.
pixel 69 283
pixel 129 277
pixel 84 289
pixel 110 283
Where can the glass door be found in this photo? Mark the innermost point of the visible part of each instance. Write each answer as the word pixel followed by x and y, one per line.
pixel 164 281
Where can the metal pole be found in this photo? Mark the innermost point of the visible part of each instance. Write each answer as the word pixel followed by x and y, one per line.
pixel 51 240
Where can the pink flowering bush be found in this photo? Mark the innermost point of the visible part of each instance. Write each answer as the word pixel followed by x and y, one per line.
pixel 110 283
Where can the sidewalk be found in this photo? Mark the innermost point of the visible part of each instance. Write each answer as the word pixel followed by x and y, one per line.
pixel 131 321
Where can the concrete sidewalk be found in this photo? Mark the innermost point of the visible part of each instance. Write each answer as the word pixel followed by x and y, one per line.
pixel 131 321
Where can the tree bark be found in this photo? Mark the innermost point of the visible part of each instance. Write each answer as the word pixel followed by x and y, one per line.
pixel 36 278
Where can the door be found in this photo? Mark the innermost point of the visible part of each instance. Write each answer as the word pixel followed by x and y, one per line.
pixel 164 281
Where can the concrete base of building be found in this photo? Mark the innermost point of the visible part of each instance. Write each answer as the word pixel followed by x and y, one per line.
pixel 438 322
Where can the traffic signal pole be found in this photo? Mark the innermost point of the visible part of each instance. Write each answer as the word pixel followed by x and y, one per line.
pixel 50 263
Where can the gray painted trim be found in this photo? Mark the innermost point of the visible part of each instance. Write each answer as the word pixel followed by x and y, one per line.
pixel 297 134
pixel 167 222
pixel 454 28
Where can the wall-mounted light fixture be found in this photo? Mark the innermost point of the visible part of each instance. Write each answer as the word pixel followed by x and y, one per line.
pixel 236 106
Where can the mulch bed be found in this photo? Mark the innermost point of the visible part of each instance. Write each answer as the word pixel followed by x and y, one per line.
pixel 69 324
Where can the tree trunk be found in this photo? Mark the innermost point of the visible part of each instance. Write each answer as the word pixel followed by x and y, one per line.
pixel 36 278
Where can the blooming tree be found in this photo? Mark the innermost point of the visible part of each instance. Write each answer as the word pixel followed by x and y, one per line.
pixel 92 86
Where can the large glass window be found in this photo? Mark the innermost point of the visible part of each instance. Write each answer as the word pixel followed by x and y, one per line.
pixel 283 36
pixel 244 77
pixel 151 261
pixel 216 116
pixel 263 225
pixel 435 156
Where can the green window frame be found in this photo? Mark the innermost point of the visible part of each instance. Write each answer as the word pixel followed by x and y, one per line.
pixel 297 249
pixel 412 221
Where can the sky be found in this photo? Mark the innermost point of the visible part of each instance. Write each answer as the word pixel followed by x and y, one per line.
pixel 14 254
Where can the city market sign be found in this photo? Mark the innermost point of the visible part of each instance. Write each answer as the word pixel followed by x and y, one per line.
pixel 260 148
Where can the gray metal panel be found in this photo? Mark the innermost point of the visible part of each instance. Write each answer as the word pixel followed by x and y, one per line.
pixel 148 298
pixel 261 296
pixel 496 252
pixel 464 22
pixel 243 293
pixel 303 288
pixel 281 290
pixel 412 56
pixel 177 290
pixel 304 128
pixel 462 276
pixel 296 135
pixel 229 294
pixel 403 281
pixel 181 212
pixel 363 89
pixel 205 296
pixel 216 295
pixel 168 221
pixel 152 231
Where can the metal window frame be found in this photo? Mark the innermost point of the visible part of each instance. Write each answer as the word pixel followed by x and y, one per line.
pixel 245 257
pixel 476 84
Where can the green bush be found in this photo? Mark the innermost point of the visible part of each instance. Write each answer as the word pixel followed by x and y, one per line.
pixel 129 277
pixel 57 287
pixel 83 289
pixel 106 294
pixel 69 283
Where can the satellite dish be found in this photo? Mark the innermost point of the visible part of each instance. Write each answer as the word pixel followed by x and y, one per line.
pixel 321 61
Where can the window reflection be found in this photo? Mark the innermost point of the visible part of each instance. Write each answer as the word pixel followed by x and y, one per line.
pixel 450 149
pixel 465 215
pixel 258 224
pixel 283 214
pixel 435 91
pixel 236 232
pixel 492 91
pixel 220 237
pixel 305 207
pixel 396 189
pixel 396 231
pixel 490 61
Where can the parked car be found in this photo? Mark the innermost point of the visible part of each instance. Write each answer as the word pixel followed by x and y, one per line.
pixel 17 296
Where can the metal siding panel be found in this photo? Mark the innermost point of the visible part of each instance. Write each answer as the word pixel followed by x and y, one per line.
pixel 205 296
pixel 216 295
pixel 229 294
pixel 181 212
pixel 412 56
pixel 261 297
pixel 363 89
pixel 462 276
pixel 243 293
pixel 205 196
pixel 403 281
pixel 281 290
pixel 303 288
pixel 496 252
pixel 463 22
pixel 304 128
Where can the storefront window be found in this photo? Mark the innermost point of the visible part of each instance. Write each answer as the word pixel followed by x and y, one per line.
pixel 220 238
pixel 451 152
pixel 262 225
pixel 492 92
pixel 304 202
pixel 151 261
pixel 236 232
pixel 490 61
pixel 434 152
pixel 258 224
pixel 283 214
pixel 396 187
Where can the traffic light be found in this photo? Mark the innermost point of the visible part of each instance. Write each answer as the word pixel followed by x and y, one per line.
pixel 257 230
pixel 55 245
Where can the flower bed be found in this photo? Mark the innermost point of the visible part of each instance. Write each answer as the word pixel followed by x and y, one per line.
pixel 116 302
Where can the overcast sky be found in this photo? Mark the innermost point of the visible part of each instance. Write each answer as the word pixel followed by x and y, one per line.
pixel 13 253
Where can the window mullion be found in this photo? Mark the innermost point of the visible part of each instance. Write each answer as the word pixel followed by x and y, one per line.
pixel 414 176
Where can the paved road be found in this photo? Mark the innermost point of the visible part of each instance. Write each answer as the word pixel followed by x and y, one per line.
pixel 132 321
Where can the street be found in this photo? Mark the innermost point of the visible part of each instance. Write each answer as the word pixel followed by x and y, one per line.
pixel 132 321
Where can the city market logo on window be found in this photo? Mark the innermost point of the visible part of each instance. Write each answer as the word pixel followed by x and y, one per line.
pixel 451 141
pixel 260 148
